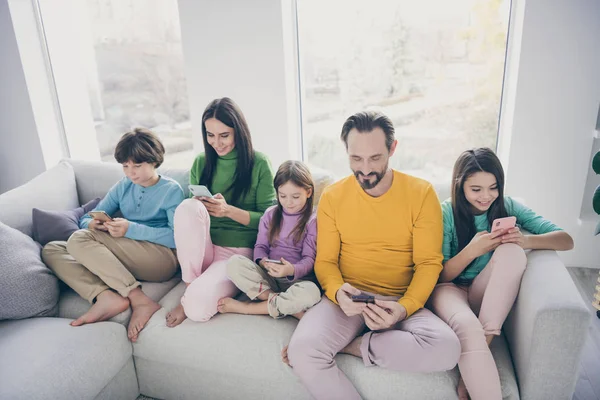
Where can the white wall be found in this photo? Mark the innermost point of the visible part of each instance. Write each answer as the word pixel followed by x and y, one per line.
pixel 21 155
pixel 236 49
pixel 554 114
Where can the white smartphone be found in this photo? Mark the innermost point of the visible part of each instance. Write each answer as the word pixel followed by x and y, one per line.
pixel 200 191
pixel 273 261
pixel 100 216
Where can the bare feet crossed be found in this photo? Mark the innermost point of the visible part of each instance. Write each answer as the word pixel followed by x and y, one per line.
pixel 107 305
pixel 143 308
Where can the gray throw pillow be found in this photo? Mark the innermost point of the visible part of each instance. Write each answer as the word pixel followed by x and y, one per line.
pixel 58 225
pixel 27 287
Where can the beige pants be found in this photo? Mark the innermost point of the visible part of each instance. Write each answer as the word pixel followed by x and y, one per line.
pixel 92 261
pixel 289 298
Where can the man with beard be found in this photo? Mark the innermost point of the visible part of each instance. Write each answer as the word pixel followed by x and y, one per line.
pixel 380 235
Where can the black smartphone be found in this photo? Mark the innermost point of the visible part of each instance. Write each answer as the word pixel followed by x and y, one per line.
pixel 363 298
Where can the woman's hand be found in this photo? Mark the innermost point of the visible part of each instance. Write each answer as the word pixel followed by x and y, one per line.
pixel 216 206
pixel 117 227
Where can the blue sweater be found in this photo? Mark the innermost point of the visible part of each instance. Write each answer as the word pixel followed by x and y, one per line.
pixel 149 210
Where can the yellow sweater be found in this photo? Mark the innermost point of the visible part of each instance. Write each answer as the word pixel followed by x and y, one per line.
pixel 390 245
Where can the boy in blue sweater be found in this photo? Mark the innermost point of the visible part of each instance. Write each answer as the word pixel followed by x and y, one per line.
pixel 104 261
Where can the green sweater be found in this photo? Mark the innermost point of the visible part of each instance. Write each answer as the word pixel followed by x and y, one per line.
pixel 526 219
pixel 225 231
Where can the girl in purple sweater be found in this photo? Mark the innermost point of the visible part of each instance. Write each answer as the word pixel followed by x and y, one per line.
pixel 281 275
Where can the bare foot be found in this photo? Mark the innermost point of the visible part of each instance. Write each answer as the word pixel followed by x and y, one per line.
pixel 143 308
pixel 353 348
pixel 176 316
pixel 463 394
pixel 107 305
pixel 284 356
pixel 229 305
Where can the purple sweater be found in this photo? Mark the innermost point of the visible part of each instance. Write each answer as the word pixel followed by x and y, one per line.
pixel 300 255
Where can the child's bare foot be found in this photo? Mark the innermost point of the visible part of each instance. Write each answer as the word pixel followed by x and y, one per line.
pixel 107 305
pixel 143 308
pixel 229 305
pixel 284 356
pixel 463 394
pixel 353 348
pixel 176 316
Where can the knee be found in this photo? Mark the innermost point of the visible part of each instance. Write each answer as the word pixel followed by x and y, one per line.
pixel 190 208
pixel 514 257
pixel 313 294
pixel 235 264
pixel 78 238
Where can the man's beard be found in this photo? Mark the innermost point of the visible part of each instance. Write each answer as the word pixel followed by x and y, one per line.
pixel 367 184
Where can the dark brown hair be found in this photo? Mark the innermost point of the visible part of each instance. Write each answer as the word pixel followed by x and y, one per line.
pixel 365 122
pixel 226 111
pixel 140 145
pixel 298 173
pixel 468 163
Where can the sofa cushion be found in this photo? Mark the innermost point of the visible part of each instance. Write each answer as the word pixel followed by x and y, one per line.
pixel 58 225
pixel 46 358
pixel 27 288
pixel 246 350
pixel 52 190
pixel 71 305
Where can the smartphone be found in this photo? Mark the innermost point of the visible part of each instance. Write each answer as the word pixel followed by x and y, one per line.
pixel 363 298
pixel 273 261
pixel 100 216
pixel 200 191
pixel 504 223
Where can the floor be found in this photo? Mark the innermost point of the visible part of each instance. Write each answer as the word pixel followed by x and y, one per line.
pixel 588 384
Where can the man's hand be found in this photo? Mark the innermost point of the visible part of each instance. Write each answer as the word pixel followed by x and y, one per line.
pixel 344 299
pixel 383 314
pixel 117 227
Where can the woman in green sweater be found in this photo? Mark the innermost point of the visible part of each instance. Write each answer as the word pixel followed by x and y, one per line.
pixel 209 230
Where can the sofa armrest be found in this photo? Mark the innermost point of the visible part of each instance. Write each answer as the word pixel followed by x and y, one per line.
pixel 546 329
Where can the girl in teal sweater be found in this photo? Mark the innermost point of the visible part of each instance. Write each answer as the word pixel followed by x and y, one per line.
pixel 483 267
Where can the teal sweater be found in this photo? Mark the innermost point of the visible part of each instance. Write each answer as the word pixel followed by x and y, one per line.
pixel 225 231
pixel 526 219
pixel 149 210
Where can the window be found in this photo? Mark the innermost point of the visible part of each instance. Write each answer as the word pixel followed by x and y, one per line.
pixel 434 67
pixel 131 56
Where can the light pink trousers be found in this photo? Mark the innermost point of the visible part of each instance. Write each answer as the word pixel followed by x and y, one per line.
pixel 478 310
pixel 203 264
pixel 420 343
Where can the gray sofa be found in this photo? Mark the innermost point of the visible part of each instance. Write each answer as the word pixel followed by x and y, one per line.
pixel 236 356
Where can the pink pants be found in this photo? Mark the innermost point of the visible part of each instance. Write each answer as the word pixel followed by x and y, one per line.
pixel 478 310
pixel 420 343
pixel 203 264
